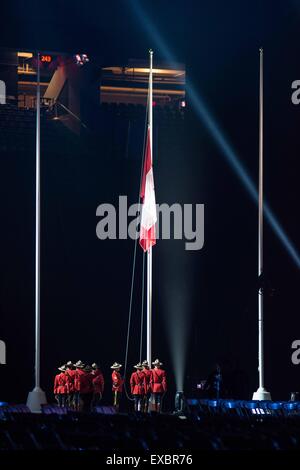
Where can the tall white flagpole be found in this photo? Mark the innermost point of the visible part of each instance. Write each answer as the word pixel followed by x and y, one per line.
pixel 37 397
pixel 149 252
pixel 261 393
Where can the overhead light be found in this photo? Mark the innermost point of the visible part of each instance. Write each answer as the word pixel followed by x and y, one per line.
pixel 81 59
pixel 145 70
pixel 25 55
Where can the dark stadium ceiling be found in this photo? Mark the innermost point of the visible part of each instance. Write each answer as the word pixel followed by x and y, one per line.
pixel 113 31
pixel 206 37
pixel 106 29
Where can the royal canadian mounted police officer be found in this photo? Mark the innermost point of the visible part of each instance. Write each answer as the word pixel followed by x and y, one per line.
pixel 138 386
pixel 117 384
pixel 98 384
pixel 70 378
pixel 60 386
pixel 79 372
pixel 158 385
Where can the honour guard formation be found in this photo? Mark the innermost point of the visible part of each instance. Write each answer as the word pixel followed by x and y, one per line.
pixel 80 386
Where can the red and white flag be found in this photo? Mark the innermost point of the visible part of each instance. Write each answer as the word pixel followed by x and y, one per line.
pixel 149 216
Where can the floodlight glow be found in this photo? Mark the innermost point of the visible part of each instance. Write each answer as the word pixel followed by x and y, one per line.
pixel 237 166
pixel 176 306
pixel 219 137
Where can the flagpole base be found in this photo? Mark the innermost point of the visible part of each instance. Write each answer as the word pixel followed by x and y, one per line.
pixel 36 399
pixel 261 394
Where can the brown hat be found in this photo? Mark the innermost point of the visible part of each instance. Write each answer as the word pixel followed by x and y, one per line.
pixel 79 365
pixel 62 368
pixel 87 368
pixel 145 363
pixel 138 366
pixel 116 365
pixel 95 366
pixel 157 362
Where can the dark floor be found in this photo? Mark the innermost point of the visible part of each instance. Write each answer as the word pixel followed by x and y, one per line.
pixel 204 425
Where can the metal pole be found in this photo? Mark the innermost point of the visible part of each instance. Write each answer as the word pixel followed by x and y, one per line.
pixel 149 252
pixel 37 227
pixel 37 397
pixel 260 230
pixel 261 393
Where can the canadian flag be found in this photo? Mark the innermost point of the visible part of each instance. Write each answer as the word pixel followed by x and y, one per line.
pixel 149 216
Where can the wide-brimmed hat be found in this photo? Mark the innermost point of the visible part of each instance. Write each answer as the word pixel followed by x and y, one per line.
pixel 116 365
pixel 69 364
pixel 138 366
pixel 157 362
pixel 87 368
pixel 145 363
pixel 62 368
pixel 79 364
pixel 95 366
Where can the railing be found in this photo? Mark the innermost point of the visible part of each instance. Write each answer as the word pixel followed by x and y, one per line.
pixel 54 108
pixel 57 106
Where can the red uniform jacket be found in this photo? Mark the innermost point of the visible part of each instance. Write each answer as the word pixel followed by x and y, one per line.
pixel 83 381
pixel 158 381
pixel 147 373
pixel 70 378
pixel 60 382
pixel 117 381
pixel 138 383
pixel 98 381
